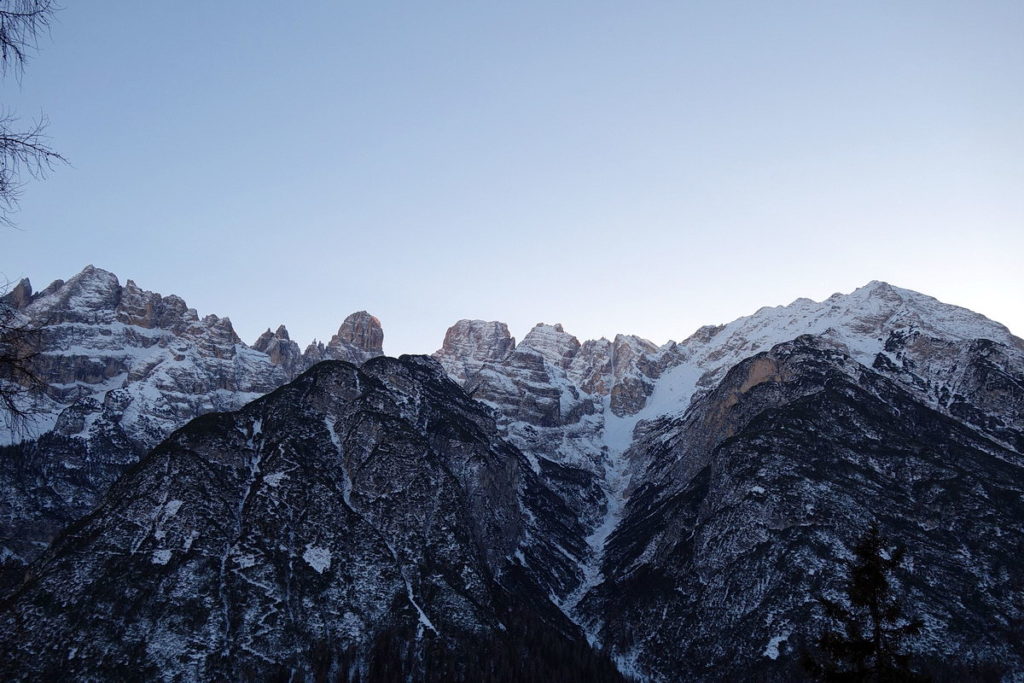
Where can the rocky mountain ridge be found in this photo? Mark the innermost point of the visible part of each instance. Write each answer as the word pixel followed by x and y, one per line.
pixel 678 493
pixel 582 405
pixel 356 522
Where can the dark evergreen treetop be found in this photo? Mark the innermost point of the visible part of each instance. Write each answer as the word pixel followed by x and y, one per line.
pixel 872 625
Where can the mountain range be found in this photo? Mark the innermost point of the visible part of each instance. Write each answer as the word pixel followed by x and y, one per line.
pixel 189 507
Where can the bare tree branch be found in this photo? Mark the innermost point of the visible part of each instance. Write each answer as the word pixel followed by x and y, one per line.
pixel 21 151
pixel 21 22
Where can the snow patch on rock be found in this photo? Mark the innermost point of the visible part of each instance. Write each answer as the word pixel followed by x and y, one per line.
pixel 772 650
pixel 245 561
pixel 274 479
pixel 318 558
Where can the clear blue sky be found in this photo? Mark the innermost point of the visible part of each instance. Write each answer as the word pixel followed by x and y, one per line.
pixel 642 167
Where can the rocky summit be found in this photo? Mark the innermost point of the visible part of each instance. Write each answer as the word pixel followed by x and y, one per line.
pixel 187 507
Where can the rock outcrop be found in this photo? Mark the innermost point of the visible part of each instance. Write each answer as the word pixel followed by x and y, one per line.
pixel 359 338
pixel 281 350
pixel 469 344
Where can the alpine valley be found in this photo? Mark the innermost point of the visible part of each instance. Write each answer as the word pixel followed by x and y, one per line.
pixel 183 506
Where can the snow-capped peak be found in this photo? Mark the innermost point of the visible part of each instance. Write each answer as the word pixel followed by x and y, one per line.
pixel 860 322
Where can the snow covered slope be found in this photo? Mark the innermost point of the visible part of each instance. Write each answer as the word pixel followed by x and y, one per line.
pixel 124 368
pixel 862 323
pixel 568 401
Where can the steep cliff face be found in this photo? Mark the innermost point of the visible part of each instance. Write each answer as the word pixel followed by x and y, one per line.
pixel 123 368
pixel 552 398
pixel 352 511
pixel 573 403
pixel 551 392
pixel 281 351
pixel 470 344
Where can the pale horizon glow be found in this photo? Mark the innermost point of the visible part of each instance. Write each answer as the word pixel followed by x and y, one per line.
pixel 642 169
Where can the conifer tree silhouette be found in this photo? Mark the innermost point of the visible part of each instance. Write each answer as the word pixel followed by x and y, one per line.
pixel 872 626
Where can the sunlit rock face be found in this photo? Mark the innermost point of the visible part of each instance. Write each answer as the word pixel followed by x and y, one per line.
pixel 550 390
pixel 361 331
pixel 123 368
pixel 281 350
pixel 469 344
pixel 359 338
